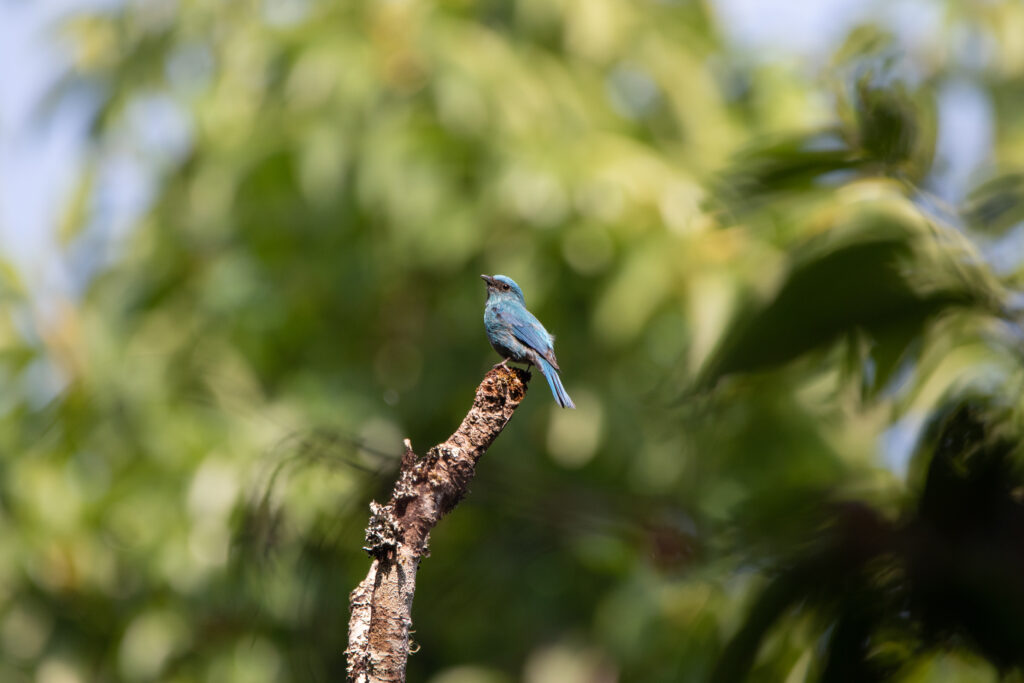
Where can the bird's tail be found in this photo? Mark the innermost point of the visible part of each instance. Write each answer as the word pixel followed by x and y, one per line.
pixel 559 392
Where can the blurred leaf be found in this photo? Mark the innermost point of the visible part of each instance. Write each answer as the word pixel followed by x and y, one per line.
pixel 880 274
pixel 997 204
pixel 75 216
pixel 891 129
pixel 783 167
pixel 888 118
pixel 11 283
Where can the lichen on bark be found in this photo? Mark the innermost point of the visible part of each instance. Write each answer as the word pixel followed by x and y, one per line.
pixel 397 535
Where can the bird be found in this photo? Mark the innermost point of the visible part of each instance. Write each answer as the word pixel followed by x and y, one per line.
pixel 518 336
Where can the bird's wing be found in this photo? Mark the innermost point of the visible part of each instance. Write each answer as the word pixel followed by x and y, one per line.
pixel 527 329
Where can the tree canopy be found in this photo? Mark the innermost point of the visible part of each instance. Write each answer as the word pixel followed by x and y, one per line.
pixel 795 349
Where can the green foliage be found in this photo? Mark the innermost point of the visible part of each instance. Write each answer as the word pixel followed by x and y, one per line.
pixel 877 272
pixel 944 576
pixel 749 288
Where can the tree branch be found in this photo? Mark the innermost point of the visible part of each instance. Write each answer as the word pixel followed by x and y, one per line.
pixel 398 533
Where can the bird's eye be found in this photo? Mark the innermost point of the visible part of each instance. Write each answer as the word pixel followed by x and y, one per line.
pixel 505 287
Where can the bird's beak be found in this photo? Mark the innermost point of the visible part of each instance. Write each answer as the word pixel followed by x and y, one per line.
pixel 488 279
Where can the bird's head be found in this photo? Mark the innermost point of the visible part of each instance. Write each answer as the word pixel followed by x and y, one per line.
pixel 502 286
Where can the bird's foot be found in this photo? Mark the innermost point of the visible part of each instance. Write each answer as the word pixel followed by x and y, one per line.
pixel 502 364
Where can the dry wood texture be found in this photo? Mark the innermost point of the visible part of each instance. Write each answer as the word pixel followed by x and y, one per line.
pixel 398 533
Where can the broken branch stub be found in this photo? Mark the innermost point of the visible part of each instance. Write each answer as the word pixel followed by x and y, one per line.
pixel 398 533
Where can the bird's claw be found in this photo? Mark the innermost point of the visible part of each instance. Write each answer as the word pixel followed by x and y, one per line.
pixel 502 364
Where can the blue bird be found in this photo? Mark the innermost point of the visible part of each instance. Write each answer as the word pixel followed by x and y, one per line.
pixel 518 336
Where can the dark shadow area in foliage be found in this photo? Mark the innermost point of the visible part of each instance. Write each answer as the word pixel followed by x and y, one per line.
pixel 948 574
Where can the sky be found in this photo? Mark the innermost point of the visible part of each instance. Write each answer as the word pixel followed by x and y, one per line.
pixel 39 155
pixel 43 145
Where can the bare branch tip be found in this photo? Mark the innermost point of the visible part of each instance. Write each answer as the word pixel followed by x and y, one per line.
pixel 408 456
pixel 397 534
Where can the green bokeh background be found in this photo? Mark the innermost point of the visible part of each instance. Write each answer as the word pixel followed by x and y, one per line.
pixel 750 281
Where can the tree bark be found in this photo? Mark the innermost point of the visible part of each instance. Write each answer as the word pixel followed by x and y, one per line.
pixel 398 533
